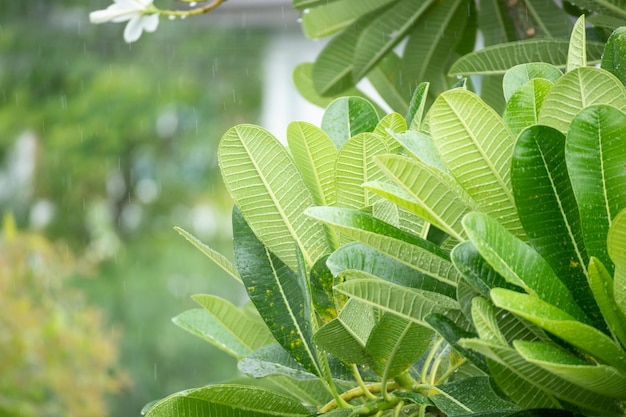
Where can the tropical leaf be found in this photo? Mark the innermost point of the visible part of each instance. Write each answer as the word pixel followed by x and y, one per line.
pixel 323 296
pixel 601 379
pixel 611 7
pixel 497 59
pixel 311 392
pixel 550 19
pixel 408 303
pixel 269 191
pixel 355 166
pixel 522 109
pixel 601 283
pixel 548 210
pixel 228 399
pixel 346 336
pixel 495 22
pixel 595 155
pixel 230 328
pixel 470 396
pixel 476 145
pixel 439 199
pixel 614 56
pixel 273 360
pixel 518 76
pixel 385 32
pixel 303 4
pixel 577 55
pixel 408 249
pixel 277 293
pixel 417 105
pixel 395 344
pixel 390 82
pixel 214 255
pixel 616 246
pixel 421 147
pixel 347 117
pixel 518 263
pixel 576 90
pixel 331 17
pixel 388 126
pixel 562 325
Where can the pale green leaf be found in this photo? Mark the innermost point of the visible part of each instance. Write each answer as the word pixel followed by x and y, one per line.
pixel 390 82
pixel 347 117
pixel 601 379
pixel 272 360
pixel 228 400
pixel 270 192
pixel 577 55
pixel 522 108
pixel 485 322
pixel 215 256
pixel 390 125
pixel 518 263
pixel 562 325
pixel 410 250
pixel 476 146
pixel 595 155
pixel 495 22
pixel 497 59
pixel 355 166
pixel 601 283
pixel 303 4
pixel 576 90
pixel 617 252
pixel 422 147
pixel 417 105
pixel 519 75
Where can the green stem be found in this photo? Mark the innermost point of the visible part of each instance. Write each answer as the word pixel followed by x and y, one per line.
pixel 356 393
pixel 427 363
pixel 451 370
pixel 361 383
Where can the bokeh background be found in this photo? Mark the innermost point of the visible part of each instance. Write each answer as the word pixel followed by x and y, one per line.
pixel 104 148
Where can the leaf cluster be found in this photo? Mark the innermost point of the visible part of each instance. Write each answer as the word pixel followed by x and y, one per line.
pixel 454 261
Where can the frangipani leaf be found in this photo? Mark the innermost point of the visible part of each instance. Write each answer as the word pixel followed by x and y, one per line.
pixel 576 90
pixel 617 251
pixel 497 59
pixel 577 55
pixel 562 325
pixel 476 145
pixel 422 147
pixel 417 105
pixel 395 344
pixel 273 360
pixel 614 56
pixel 325 301
pixel 331 17
pixel 550 20
pixel 390 82
pixel 595 155
pixel 470 396
pixel 518 263
pixel 601 283
pixel 522 109
pixel 347 117
pixel 277 293
pixel 271 199
pixel 388 127
pixel 601 379
pixel 519 75
pixel 228 399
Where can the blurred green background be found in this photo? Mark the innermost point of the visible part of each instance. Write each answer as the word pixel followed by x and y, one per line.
pixel 104 147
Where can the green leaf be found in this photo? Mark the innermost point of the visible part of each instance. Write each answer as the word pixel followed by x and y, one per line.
pixel 347 117
pixel 469 396
pixel 548 210
pixel 476 145
pixel 410 250
pixel 408 303
pixel 346 336
pixel 617 251
pixel 497 59
pixel 562 325
pixel 385 32
pixel 422 147
pixel 519 75
pixel 355 166
pixel 610 7
pixel 389 81
pixel 323 297
pixel 272 360
pixel 417 105
pixel 550 19
pixel 214 255
pixel 577 55
pixel 614 56
pixel 311 392
pixel 331 17
pixel 522 109
pixel 303 4
pixel 231 400
pixel 438 198
pixel 601 283
pixel 595 155
pixel 576 90
pixel 518 263
pixel 601 379
pixel 315 156
pixel 395 344
pixel 271 199
pixel 390 125
pixel 277 294
pixel 495 22
pixel 235 330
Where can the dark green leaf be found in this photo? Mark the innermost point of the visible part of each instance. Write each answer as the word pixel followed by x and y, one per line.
pixel 468 397
pixel 614 57
pixel 390 83
pixel 273 360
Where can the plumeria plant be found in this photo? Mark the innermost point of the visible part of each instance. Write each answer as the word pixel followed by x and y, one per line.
pixel 450 262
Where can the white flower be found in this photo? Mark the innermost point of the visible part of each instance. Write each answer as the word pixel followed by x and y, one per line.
pixel 140 15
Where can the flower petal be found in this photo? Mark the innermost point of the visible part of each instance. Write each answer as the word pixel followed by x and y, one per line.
pixel 133 29
pixel 150 22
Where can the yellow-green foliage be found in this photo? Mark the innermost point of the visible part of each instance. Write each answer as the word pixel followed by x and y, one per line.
pixel 57 356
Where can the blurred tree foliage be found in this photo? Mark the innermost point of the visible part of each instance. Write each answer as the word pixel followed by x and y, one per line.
pixel 58 357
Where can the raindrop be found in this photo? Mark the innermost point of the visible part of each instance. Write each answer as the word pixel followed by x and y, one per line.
pixel 306 11
pixel 172 17
pixel 193 4
pixel 183 17
pixel 299 20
